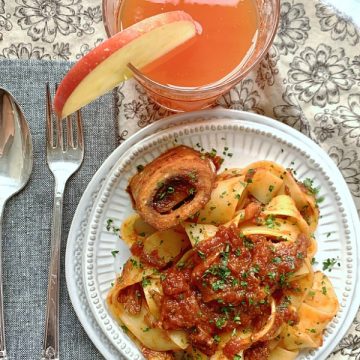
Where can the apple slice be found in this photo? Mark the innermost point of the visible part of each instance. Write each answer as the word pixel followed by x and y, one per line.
pixel 106 66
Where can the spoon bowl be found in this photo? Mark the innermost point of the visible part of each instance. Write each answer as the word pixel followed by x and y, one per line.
pixel 16 160
pixel 15 147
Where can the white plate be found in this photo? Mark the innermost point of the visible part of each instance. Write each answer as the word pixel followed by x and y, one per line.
pixel 90 267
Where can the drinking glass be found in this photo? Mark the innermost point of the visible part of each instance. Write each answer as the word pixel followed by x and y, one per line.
pixel 178 98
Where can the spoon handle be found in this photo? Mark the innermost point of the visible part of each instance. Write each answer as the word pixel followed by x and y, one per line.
pixel 3 354
pixel 51 338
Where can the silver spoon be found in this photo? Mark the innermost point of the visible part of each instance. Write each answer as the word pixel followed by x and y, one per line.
pixel 16 159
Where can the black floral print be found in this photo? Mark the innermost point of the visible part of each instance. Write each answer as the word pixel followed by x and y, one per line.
pixel 267 69
pixel 61 51
pixel 349 121
pixel 356 67
pixel 340 27
pixel 5 23
pixel 349 346
pixel 85 48
pixel 319 74
pixel 24 52
pixel 348 161
pixel 92 15
pixel 291 113
pixel 134 109
pixel 145 110
pixel 293 28
pixel 326 129
pixel 151 111
pixel 344 122
pixel 357 323
pixel 242 97
pixel 44 19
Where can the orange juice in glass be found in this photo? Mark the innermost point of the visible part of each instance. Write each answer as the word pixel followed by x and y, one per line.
pixel 235 36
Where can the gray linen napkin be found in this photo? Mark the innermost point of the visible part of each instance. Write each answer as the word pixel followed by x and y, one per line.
pixel 27 218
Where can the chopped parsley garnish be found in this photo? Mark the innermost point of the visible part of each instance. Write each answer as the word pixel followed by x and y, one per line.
pixel 212 153
pixel 276 260
pixel 312 293
pixel 124 328
pixel 192 191
pixel 329 264
pixel 272 275
pixel 220 271
pixel 267 289
pixel 110 226
pixel 248 243
pixel 309 184
pixel 160 184
pixel 114 252
pixel 145 282
pixel 271 188
pixel 193 175
pixel 270 222
pixel 169 190
pixel 217 339
pixel 180 265
pixel 320 199
pixel 134 262
pixel 220 322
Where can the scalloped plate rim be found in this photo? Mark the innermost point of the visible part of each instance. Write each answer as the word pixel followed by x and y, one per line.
pixel 153 129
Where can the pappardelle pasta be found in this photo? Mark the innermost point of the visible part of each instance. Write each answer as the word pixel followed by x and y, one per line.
pixel 233 281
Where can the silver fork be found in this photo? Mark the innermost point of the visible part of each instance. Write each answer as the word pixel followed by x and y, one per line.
pixel 64 156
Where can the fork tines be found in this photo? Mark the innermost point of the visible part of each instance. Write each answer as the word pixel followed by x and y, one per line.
pixel 55 125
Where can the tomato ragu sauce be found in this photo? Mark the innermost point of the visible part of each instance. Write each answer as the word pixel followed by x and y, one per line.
pixel 224 285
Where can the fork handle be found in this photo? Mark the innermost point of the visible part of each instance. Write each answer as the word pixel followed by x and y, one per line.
pixel 3 355
pixel 50 349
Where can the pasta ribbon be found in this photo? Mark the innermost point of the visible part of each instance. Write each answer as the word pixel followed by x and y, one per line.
pixel 231 280
pixel 223 201
pixel 281 229
pixel 264 185
pixel 318 309
pixel 284 205
pixel 168 244
pixel 134 228
pixel 140 325
pixel 199 232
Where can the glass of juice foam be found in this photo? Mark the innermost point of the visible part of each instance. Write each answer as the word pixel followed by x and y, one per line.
pixel 236 35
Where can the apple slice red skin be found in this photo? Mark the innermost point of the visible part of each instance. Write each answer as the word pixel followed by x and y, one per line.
pixel 91 60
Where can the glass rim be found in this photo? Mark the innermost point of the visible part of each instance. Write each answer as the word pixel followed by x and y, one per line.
pixel 218 85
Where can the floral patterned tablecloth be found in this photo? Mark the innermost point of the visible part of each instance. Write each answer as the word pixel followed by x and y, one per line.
pixel 310 78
